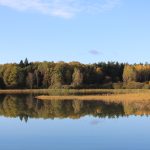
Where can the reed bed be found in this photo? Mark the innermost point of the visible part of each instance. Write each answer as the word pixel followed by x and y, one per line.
pixel 109 97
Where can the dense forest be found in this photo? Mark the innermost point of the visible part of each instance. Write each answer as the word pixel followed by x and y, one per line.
pixel 41 75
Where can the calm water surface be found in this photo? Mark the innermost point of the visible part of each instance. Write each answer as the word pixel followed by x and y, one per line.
pixel 27 123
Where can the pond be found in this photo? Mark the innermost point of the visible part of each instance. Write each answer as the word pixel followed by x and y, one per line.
pixel 28 123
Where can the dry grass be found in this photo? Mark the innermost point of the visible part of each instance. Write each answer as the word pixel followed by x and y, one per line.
pixel 112 97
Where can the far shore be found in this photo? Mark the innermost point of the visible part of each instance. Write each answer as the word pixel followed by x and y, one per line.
pixel 72 91
pixel 22 91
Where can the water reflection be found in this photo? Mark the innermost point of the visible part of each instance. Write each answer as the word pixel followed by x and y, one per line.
pixel 26 106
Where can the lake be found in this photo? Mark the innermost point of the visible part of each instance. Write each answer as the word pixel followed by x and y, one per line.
pixel 28 123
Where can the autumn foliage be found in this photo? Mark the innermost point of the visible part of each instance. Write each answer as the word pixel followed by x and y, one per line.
pixel 38 75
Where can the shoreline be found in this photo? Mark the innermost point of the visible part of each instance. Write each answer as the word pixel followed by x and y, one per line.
pixel 73 91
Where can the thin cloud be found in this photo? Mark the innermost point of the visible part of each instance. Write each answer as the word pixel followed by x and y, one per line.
pixel 95 52
pixel 61 8
pixel 97 122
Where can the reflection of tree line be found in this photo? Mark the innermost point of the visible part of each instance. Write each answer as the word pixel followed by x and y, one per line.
pixel 27 107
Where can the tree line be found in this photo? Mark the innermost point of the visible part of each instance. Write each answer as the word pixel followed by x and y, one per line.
pixel 38 75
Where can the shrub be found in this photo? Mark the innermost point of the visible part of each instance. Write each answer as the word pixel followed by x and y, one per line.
pixel 117 85
pixel 133 85
pixel 107 86
pixel 146 86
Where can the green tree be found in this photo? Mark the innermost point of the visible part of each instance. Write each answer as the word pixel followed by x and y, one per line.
pixel 30 80
pixel 21 64
pixel 11 75
pixel 26 63
pixel 77 77
pixel 58 76
pixel 46 70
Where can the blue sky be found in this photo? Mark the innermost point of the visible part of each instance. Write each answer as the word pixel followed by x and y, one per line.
pixel 75 30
